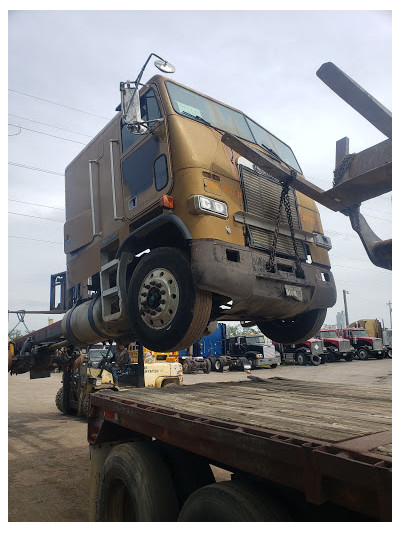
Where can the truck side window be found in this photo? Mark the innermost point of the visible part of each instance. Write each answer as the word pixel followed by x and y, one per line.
pixel 137 167
pixel 160 172
pixel 150 110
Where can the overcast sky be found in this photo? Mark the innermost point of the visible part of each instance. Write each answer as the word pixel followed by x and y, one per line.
pixel 262 62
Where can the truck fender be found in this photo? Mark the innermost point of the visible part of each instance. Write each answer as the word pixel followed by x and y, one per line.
pixel 165 230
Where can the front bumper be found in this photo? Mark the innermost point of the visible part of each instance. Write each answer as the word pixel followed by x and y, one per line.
pixel 240 273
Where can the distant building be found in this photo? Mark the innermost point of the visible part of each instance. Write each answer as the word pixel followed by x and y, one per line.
pixel 340 320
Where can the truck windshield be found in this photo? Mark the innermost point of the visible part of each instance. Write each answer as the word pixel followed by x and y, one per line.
pixel 360 333
pixel 328 334
pixel 254 340
pixel 207 111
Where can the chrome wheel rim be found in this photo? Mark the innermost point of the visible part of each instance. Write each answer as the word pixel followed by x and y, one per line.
pixel 158 298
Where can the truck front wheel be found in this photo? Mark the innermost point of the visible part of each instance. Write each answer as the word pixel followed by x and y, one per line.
pixel 136 486
pixel 294 330
pixel 362 354
pixel 166 310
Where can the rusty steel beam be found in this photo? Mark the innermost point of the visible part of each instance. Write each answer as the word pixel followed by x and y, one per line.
pixel 369 176
pixel 357 97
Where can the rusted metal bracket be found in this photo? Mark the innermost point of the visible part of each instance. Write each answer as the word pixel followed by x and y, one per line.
pixel 368 175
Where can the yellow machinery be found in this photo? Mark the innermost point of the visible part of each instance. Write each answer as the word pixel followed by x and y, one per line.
pixel 86 380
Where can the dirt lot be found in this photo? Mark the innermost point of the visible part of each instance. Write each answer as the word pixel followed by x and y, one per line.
pixel 48 461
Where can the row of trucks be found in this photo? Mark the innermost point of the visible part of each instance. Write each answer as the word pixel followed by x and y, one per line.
pixel 220 352
pixel 183 211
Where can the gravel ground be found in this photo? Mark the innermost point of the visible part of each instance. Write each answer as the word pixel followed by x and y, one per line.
pixel 48 456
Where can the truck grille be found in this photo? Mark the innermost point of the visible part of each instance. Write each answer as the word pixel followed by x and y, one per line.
pixel 261 194
pixel 316 347
pixel 377 344
pixel 344 346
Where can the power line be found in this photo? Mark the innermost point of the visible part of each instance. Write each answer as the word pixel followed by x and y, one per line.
pixel 38 205
pixel 357 268
pixel 56 103
pixel 47 134
pixel 35 168
pixel 30 239
pixel 34 216
pixel 50 126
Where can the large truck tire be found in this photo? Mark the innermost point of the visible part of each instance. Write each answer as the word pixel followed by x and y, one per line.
pixel 232 501
pixel 362 354
pixel 59 400
pixel 294 330
pixel 207 369
pixel 187 366
pixel 189 471
pixel 136 486
pixel 166 311
pixel 301 358
pixel 218 365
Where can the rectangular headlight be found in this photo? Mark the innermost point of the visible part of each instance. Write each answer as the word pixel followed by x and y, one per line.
pixel 209 206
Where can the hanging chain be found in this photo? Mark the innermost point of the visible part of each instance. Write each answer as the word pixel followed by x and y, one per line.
pixel 339 171
pixel 284 200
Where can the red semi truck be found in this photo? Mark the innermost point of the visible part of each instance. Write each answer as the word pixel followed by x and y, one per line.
pixel 310 351
pixel 337 347
pixel 364 344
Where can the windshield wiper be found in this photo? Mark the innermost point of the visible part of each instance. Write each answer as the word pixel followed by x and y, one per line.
pixel 196 117
pixel 277 158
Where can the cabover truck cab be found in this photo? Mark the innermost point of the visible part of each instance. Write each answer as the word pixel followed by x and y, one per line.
pixel 167 185
pixel 337 347
pixel 364 344
pixel 310 351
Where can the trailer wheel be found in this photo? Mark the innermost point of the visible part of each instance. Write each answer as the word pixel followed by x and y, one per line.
pixel 166 311
pixel 362 354
pixel 294 330
pixel 207 370
pixel 187 366
pixel 301 358
pixel 136 486
pixel 232 501
pixel 59 400
pixel 189 471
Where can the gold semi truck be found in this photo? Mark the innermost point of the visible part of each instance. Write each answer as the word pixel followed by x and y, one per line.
pixel 168 229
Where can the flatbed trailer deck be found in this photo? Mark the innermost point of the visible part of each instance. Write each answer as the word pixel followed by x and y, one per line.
pixel 330 442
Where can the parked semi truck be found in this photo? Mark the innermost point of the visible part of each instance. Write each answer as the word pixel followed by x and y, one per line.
pixel 311 351
pixel 375 329
pixel 337 347
pixel 243 352
pixel 364 344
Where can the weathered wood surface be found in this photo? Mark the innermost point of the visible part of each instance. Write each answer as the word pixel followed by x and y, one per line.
pixel 321 411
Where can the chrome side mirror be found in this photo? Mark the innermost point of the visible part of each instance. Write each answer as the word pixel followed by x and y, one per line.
pixel 130 102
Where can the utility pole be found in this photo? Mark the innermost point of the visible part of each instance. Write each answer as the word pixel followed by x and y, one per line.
pixel 345 307
pixel 390 312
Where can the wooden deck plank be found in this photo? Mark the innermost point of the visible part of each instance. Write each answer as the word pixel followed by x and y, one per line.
pixel 327 412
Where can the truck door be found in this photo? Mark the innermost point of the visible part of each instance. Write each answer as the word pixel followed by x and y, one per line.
pixel 145 169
